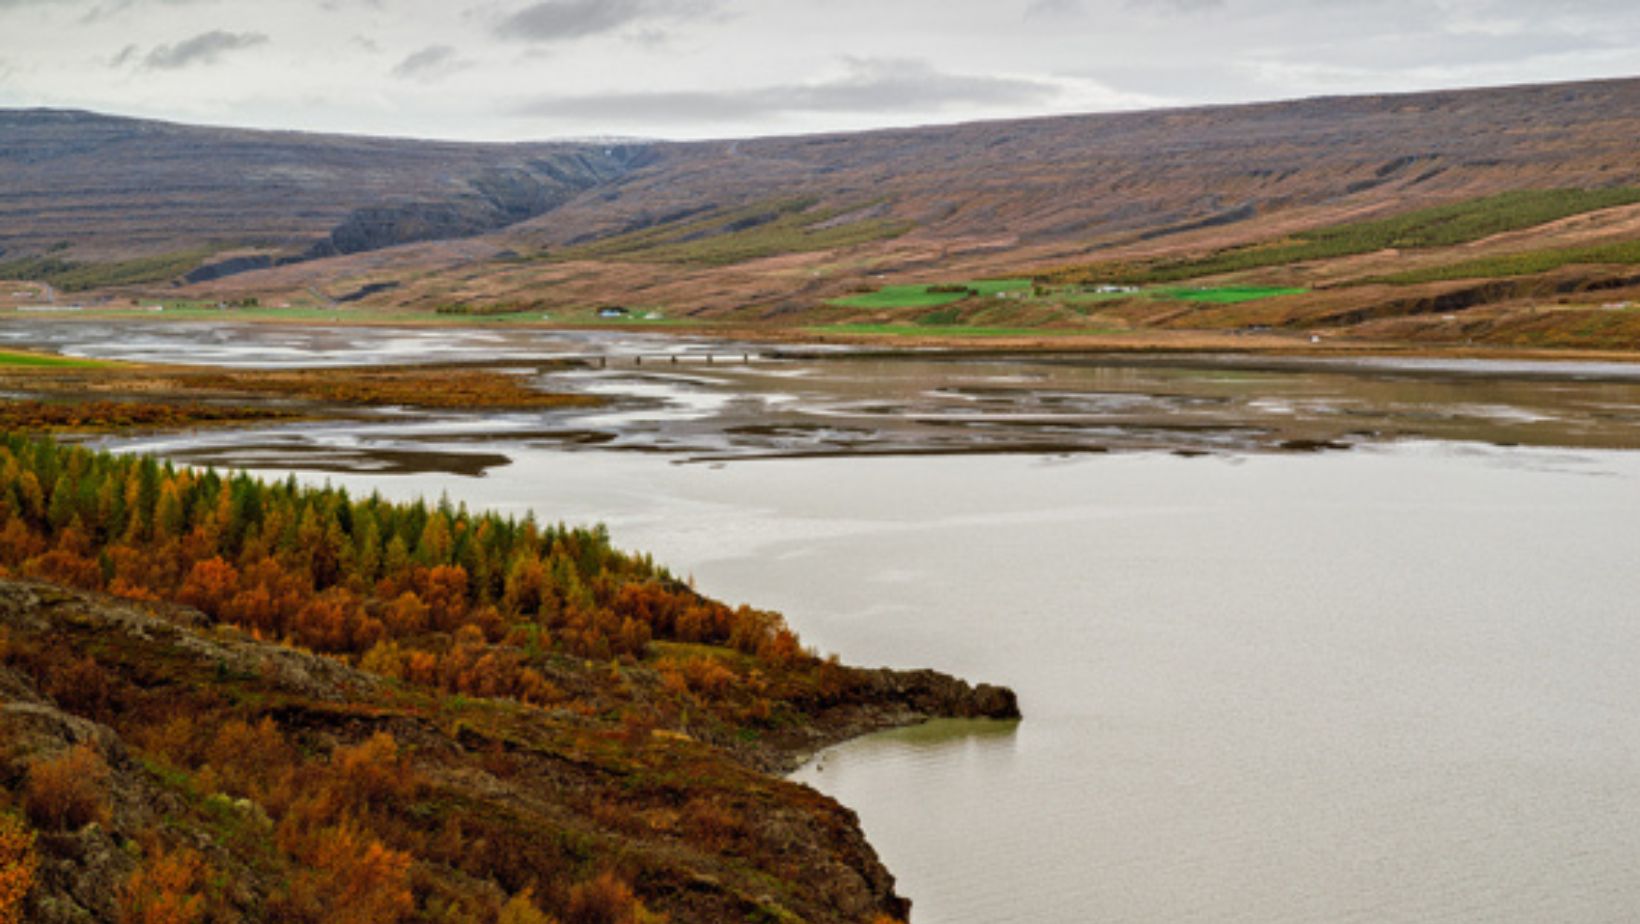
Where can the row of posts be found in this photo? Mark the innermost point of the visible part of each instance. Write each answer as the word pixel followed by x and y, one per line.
pixel 711 359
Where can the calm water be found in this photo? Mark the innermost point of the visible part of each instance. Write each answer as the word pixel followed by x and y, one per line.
pixel 1381 686
pixel 1396 683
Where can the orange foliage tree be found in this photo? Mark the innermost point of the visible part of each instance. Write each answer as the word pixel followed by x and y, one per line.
pixel 352 878
pixel 165 890
pixel 68 792
pixel 17 865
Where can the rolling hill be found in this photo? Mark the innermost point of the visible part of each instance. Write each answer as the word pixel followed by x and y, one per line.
pixel 783 230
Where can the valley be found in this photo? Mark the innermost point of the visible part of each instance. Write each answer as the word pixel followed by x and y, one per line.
pixel 1453 220
pixel 1229 510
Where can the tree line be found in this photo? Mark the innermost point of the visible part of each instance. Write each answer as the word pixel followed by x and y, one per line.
pixel 415 590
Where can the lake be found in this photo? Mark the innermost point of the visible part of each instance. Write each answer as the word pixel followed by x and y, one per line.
pixel 1389 682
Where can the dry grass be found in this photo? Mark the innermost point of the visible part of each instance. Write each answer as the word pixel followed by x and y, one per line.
pixel 119 396
pixel 101 416
pixel 433 388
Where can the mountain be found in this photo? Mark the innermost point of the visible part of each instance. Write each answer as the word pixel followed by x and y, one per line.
pixel 783 228
pixel 115 187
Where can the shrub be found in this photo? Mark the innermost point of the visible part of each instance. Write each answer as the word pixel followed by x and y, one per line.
pixel 165 890
pixel 68 792
pixel 17 864
pixel 605 900
pixel 521 910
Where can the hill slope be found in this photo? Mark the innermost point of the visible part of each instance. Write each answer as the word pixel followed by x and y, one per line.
pixel 781 228
pixel 310 708
pixel 117 188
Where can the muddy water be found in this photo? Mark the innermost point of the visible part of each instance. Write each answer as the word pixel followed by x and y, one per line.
pixel 1394 683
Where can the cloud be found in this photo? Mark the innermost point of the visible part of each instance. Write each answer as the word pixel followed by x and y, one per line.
pixel 101 11
pixel 430 63
pixel 1052 9
pixel 1043 9
pixel 1175 6
pixel 567 20
pixel 870 86
pixel 205 48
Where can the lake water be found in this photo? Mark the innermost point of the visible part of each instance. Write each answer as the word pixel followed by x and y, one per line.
pixel 1394 683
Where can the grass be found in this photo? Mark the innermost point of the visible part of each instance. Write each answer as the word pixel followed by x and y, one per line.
pixel 998 286
pixel 200 311
pixel 631 320
pixel 931 296
pixel 900 297
pixel 1224 295
pixel 70 276
pixel 295 314
pixel 389 386
pixel 45 361
pixel 941 314
pixel 1529 263
pixel 117 416
pixel 923 330
pixel 1439 226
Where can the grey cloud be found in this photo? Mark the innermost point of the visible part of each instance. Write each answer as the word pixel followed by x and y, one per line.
pixel 205 48
pixel 101 11
pixel 429 63
pixel 126 56
pixel 1041 9
pixel 872 86
pixel 566 20
pixel 1175 6
pixel 1050 9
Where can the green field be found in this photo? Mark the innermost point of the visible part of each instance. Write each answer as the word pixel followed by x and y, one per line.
pixel 39 360
pixel 1222 295
pixel 941 314
pixel 924 296
pixel 922 330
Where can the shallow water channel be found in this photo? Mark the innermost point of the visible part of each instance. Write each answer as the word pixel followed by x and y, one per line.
pixel 1395 680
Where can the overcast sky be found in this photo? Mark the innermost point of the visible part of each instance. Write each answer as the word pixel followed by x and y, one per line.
pixel 532 69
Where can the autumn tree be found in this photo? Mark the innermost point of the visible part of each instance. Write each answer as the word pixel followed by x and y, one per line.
pixel 69 791
pixel 606 899
pixel 520 909
pixel 165 889
pixel 352 878
pixel 17 865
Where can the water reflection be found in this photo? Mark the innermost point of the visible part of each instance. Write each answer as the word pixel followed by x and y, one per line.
pixel 791 404
pixel 941 734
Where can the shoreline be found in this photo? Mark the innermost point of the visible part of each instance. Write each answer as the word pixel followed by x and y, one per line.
pixel 900 698
pixel 31 609
pixel 1140 342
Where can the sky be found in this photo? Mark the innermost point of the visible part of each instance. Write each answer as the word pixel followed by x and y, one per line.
pixel 502 70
